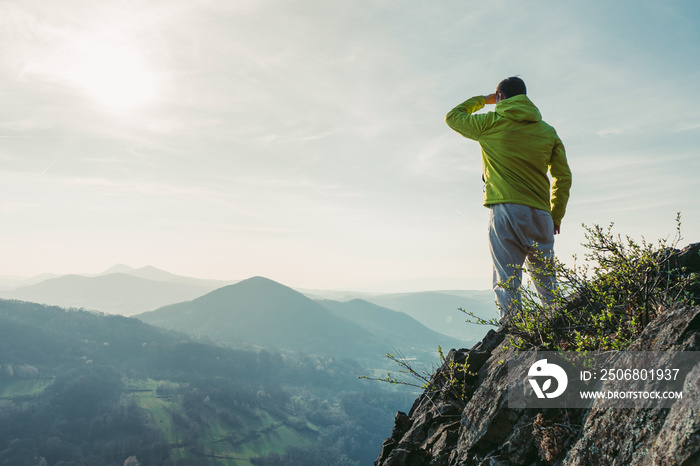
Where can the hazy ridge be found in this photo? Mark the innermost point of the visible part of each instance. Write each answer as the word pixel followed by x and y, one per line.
pixel 119 290
pixel 247 370
pixel 125 290
pixel 269 314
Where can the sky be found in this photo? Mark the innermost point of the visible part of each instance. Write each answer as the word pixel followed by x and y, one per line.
pixel 305 141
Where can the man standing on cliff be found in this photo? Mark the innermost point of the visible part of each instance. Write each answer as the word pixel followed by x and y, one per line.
pixel 518 150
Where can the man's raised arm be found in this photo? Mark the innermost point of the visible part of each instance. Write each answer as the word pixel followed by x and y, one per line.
pixel 462 120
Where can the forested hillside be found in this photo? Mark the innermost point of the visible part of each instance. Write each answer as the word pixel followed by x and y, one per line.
pixel 264 313
pixel 83 388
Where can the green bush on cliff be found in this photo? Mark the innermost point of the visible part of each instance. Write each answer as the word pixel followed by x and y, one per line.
pixel 604 303
pixel 448 378
pixel 601 304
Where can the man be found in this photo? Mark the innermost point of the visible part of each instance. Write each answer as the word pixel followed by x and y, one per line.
pixel 518 149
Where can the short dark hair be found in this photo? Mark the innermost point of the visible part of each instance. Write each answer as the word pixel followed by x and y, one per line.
pixel 511 87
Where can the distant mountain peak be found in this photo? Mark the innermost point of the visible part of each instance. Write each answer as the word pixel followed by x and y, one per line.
pixel 119 268
pixel 263 312
pixel 258 288
pixel 261 280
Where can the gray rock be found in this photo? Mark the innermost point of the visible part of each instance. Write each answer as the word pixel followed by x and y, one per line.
pixel 443 430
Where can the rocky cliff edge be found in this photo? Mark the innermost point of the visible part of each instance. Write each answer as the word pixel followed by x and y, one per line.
pixel 441 429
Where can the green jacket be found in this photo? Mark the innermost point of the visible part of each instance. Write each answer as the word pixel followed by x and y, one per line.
pixel 518 149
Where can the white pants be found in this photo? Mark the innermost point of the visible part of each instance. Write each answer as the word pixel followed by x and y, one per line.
pixel 519 233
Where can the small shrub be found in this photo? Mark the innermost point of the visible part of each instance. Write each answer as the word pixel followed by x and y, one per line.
pixel 451 380
pixel 605 303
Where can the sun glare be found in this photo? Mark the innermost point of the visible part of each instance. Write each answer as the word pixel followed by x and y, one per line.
pixel 113 74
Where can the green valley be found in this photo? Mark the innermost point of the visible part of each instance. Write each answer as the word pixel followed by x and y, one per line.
pixel 79 387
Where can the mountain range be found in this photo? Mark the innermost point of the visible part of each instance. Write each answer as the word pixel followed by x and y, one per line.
pixel 78 387
pixel 439 310
pixel 119 290
pixel 128 291
pixel 182 381
pixel 265 313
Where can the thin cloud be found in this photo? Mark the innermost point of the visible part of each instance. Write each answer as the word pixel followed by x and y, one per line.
pixel 317 120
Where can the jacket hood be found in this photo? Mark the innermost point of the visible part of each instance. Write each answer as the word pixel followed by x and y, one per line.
pixel 518 108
